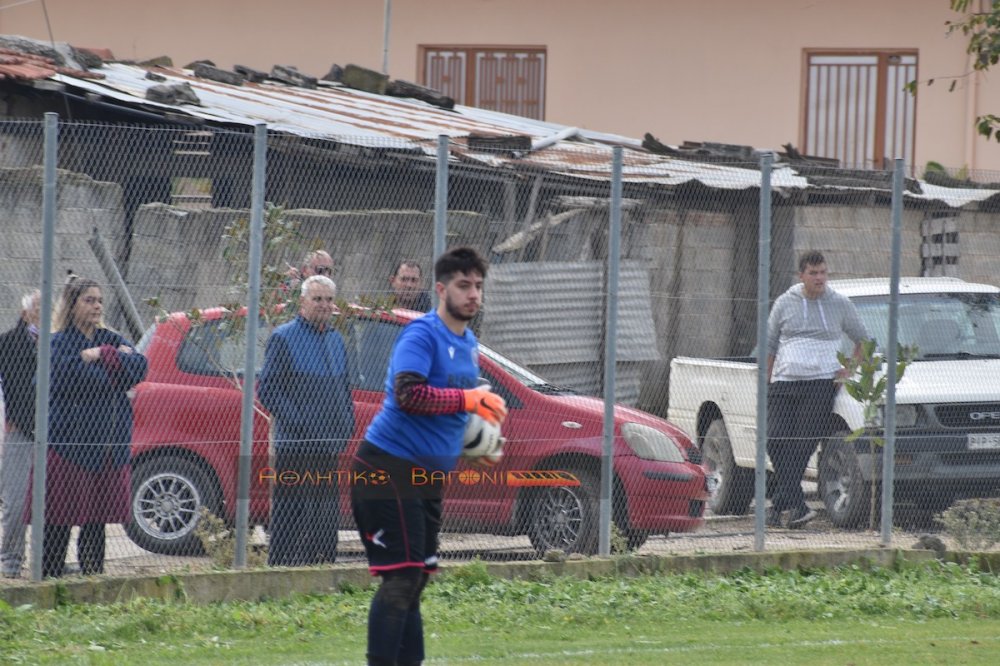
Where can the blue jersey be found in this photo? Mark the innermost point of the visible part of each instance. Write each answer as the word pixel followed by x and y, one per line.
pixel 427 347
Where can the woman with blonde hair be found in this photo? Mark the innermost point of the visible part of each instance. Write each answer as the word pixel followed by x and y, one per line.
pixel 88 482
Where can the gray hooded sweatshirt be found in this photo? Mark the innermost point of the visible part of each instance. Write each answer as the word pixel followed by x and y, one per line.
pixel 804 334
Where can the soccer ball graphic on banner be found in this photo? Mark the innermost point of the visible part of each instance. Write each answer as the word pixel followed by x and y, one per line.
pixel 482 439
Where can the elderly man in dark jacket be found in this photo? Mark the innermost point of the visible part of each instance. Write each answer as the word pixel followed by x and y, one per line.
pixel 18 360
pixel 305 385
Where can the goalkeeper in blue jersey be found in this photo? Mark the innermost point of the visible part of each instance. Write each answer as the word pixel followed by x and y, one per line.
pixel 430 389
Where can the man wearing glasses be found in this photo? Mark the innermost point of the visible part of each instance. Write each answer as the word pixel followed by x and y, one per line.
pixel 317 262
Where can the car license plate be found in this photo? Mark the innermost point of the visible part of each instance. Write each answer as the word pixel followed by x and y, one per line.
pixel 986 440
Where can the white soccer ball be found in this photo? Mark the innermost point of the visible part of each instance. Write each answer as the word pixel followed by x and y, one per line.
pixel 482 439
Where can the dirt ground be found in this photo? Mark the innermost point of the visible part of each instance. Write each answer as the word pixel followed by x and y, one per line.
pixel 720 534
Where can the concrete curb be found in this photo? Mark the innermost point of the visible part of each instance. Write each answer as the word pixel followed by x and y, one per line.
pixel 261 584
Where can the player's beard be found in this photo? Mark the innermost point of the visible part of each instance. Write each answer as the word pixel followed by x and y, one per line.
pixel 457 312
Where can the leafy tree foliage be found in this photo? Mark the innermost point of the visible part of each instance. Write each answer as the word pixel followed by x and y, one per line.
pixel 284 246
pixel 982 29
pixel 866 381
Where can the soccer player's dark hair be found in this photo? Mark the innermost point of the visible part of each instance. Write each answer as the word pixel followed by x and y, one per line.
pixel 462 259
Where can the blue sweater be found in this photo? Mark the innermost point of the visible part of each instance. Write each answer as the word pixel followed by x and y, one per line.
pixel 306 386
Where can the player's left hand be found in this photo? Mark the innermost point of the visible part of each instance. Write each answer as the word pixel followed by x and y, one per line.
pixel 485 403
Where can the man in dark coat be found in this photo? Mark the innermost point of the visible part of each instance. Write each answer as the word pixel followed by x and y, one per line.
pixel 306 386
pixel 18 360
pixel 407 287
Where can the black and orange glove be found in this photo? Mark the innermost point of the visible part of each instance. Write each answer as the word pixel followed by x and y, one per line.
pixel 486 404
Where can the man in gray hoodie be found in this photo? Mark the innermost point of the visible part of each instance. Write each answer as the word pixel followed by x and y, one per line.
pixel 804 331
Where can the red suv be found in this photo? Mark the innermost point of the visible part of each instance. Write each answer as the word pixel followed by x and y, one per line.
pixel 187 429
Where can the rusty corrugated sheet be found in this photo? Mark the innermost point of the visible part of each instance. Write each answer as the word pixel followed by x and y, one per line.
pixel 355 117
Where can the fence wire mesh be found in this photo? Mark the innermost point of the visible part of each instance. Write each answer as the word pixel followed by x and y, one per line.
pixel 147 358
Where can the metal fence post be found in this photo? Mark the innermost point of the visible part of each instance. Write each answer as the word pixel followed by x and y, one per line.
pixel 49 201
pixel 889 451
pixel 250 360
pixel 610 348
pixel 440 206
pixel 763 300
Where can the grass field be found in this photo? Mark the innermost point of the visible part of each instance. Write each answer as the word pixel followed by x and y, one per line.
pixel 918 614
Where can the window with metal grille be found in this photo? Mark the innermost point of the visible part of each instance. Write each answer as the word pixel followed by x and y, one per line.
pixel 856 109
pixel 939 247
pixel 506 79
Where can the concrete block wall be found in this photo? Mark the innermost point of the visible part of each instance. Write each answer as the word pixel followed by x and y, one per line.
pixel 856 240
pixel 979 247
pixel 83 204
pixel 177 254
pixel 177 257
pixel 690 255
pixel 706 270
pixel 364 244
pixel 20 149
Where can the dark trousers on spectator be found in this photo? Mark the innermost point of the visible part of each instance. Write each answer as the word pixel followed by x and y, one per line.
pixel 305 509
pixel 798 416
pixel 89 549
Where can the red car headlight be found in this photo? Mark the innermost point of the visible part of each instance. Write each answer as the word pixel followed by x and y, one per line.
pixel 651 444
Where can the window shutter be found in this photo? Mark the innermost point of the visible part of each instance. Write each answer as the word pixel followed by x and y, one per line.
pixel 509 80
pixel 445 71
pixel 856 108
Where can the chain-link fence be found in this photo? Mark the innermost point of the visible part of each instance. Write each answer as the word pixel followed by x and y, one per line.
pixel 647 292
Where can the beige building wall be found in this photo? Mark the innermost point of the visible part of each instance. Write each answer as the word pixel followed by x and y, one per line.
pixel 727 70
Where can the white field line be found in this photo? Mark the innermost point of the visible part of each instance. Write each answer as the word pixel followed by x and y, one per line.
pixel 738 650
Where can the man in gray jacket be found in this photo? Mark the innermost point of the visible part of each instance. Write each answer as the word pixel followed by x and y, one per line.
pixel 804 331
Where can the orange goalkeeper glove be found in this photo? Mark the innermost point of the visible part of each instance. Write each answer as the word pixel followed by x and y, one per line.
pixel 486 404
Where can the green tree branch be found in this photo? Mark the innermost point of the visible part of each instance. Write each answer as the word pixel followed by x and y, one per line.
pixel 866 382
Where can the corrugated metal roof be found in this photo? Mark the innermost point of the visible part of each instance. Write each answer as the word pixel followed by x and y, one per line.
pixel 351 116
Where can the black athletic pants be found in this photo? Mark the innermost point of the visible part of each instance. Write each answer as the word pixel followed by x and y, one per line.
pixel 89 549
pixel 798 416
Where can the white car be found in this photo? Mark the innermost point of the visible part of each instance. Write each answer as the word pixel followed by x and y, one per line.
pixel 947 418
